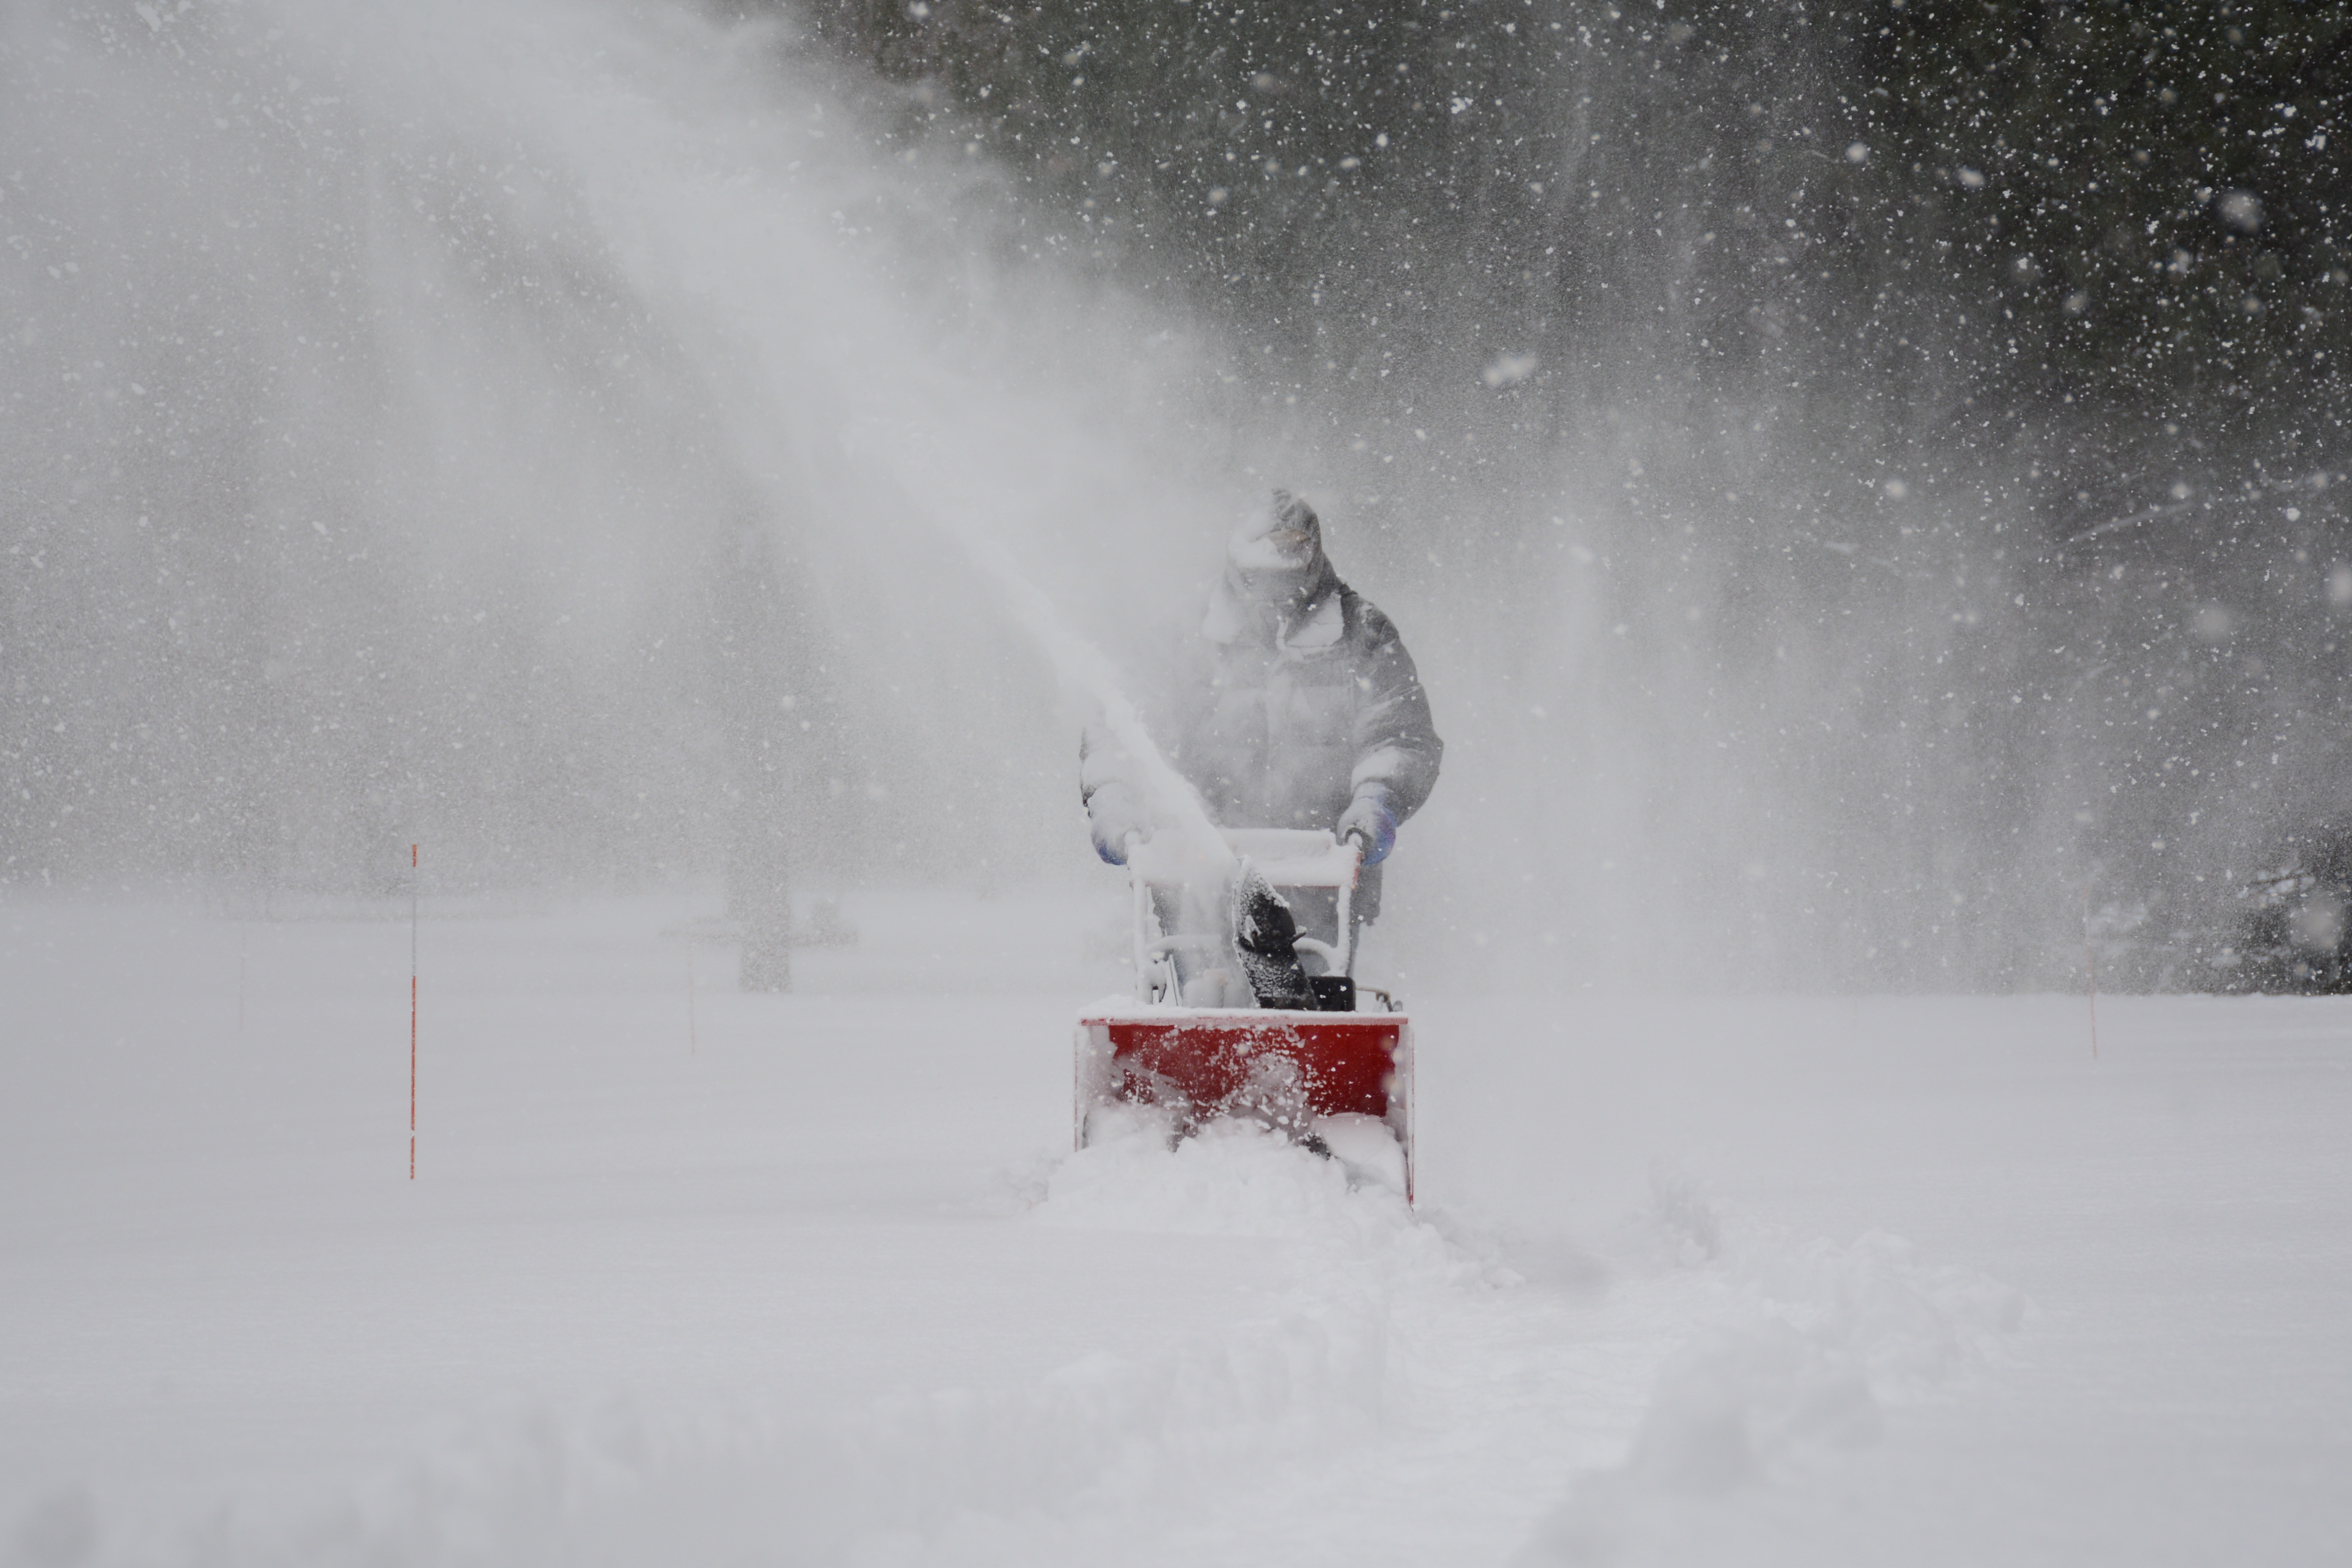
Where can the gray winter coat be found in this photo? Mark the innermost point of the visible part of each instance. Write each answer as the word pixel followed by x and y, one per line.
pixel 1280 713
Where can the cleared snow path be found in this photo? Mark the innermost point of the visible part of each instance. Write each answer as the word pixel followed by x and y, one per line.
pixel 809 1279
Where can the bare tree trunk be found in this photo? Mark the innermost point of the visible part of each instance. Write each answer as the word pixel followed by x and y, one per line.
pixel 757 660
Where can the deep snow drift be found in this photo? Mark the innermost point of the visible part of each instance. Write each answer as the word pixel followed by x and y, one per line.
pixel 813 1278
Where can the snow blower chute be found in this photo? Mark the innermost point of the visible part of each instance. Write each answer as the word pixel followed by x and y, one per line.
pixel 1338 1079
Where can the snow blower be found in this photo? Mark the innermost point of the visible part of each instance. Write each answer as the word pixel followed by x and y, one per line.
pixel 1336 1078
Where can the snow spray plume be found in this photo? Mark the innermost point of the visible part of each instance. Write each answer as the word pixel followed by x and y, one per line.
pixel 529 426
pixel 1175 805
pixel 553 438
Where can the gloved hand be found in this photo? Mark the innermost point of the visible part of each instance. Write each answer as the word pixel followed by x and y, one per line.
pixel 1368 821
pixel 1113 818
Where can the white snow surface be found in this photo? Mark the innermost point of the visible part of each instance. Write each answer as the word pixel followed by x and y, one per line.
pixel 813 1278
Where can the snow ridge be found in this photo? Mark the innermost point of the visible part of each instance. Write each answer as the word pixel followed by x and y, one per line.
pixel 1594 1419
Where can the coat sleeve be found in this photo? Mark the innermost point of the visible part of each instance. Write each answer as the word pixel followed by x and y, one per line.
pixel 1396 741
pixel 1114 805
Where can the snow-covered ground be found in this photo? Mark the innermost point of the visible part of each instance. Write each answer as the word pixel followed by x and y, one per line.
pixel 813 1278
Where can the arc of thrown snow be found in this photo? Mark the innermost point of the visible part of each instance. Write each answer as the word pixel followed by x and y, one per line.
pixel 1089 670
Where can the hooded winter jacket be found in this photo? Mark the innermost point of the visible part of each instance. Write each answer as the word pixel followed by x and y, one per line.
pixel 1294 696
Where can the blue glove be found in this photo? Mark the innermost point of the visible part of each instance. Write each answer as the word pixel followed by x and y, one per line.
pixel 1113 851
pixel 1113 820
pixel 1368 821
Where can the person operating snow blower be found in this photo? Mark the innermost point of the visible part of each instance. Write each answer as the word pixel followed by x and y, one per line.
pixel 1295 705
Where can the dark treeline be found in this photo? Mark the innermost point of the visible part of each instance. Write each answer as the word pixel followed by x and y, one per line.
pixel 2136 207
pixel 1977 367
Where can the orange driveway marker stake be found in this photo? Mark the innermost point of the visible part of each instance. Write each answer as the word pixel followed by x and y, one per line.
pixel 412 1012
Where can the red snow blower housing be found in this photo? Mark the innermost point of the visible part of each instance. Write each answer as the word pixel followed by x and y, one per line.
pixel 1338 1079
